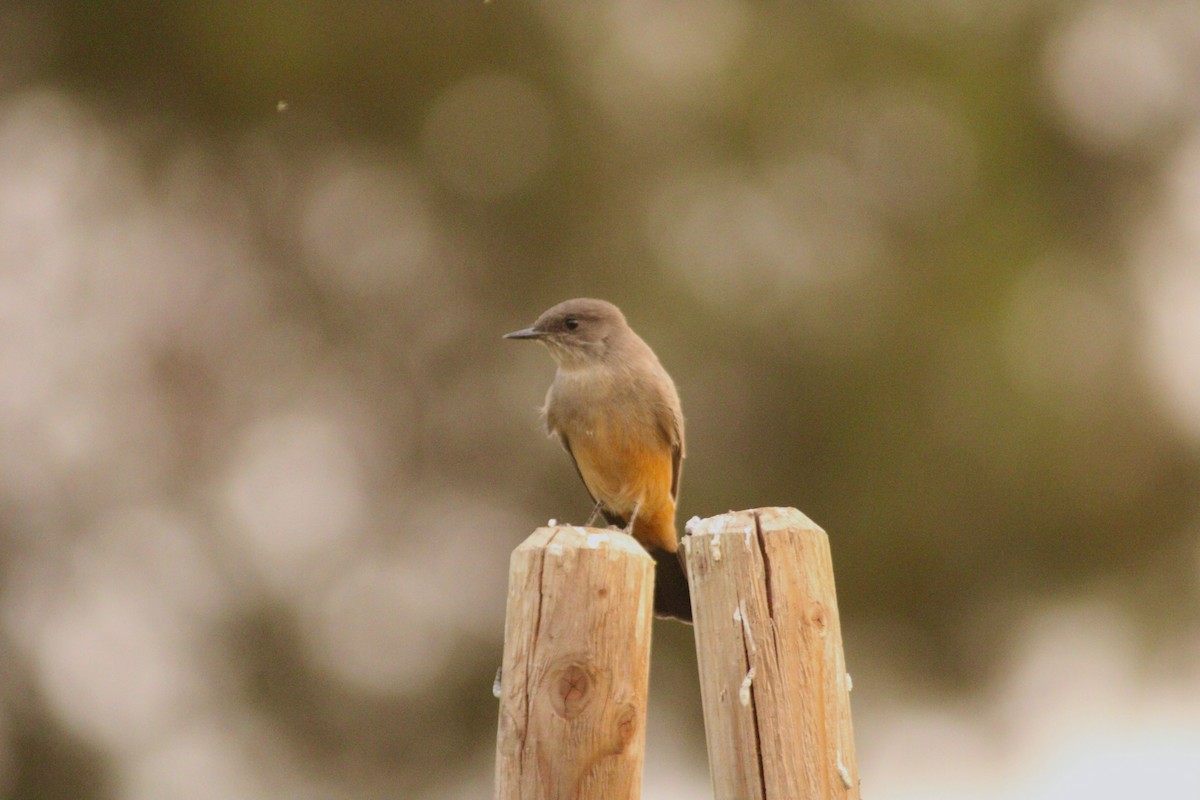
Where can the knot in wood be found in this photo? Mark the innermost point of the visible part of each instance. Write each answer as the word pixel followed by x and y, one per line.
pixel 818 618
pixel 627 726
pixel 572 690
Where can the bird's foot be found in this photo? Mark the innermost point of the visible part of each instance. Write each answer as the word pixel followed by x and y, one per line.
pixel 633 518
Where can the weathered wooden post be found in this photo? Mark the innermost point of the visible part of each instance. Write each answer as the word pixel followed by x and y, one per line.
pixel 576 667
pixel 769 644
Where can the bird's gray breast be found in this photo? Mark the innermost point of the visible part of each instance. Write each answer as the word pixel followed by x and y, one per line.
pixel 582 401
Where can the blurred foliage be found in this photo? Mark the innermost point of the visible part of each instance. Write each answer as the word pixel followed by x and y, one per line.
pixel 266 453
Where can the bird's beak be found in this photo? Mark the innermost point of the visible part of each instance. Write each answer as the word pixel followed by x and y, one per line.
pixel 525 333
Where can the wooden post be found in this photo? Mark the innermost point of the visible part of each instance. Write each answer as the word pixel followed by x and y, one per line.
pixel 576 667
pixel 769 644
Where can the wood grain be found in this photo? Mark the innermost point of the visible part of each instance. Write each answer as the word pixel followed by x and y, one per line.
pixel 576 667
pixel 769 646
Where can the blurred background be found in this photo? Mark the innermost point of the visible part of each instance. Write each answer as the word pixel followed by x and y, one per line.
pixel 927 270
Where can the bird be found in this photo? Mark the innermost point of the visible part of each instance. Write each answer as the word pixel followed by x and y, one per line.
pixel 616 412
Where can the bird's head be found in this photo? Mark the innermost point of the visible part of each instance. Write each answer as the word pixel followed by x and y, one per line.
pixel 578 333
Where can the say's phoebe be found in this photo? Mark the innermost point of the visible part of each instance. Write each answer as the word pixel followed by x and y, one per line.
pixel 616 412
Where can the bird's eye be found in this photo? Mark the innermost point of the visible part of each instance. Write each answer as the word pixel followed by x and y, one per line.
pixel 571 323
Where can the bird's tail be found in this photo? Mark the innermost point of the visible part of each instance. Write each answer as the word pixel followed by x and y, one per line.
pixel 672 597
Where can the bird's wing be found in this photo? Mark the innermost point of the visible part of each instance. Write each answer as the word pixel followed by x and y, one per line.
pixel 670 425
pixel 676 468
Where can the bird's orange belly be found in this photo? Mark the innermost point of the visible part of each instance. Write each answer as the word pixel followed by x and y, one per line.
pixel 626 474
